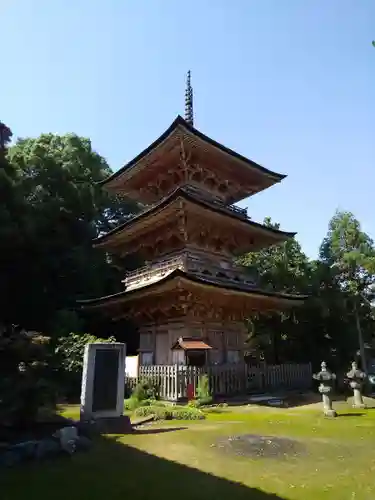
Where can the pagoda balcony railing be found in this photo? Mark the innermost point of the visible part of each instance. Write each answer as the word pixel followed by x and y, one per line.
pixel 153 272
pixel 215 200
pixel 188 262
pixel 204 196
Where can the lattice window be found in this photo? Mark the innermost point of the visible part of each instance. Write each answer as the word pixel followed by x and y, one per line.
pixel 147 358
pixel 233 356
pixel 178 357
pixel 215 357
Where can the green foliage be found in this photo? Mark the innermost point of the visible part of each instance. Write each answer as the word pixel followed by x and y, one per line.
pixel 72 347
pixel 194 403
pixel 68 358
pixel 170 412
pixel 132 403
pixel 159 412
pixel 51 208
pixel 26 383
pixel 187 413
pixel 204 395
pixel 325 327
pixel 146 389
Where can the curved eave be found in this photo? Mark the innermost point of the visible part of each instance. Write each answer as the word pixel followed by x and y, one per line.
pixel 180 191
pixel 179 121
pixel 289 300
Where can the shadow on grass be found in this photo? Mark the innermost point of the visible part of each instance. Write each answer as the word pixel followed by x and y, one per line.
pixel 289 399
pixel 112 470
pixel 158 431
pixel 355 414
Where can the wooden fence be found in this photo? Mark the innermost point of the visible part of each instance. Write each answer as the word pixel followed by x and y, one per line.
pixel 225 380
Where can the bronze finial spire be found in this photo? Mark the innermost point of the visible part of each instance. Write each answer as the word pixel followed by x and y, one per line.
pixel 189 116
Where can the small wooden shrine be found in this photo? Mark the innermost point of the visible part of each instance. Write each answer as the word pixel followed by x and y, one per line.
pixel 190 299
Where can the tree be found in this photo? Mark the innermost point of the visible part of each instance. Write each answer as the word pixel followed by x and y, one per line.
pixel 325 327
pixel 351 253
pixel 56 209
pixel 282 267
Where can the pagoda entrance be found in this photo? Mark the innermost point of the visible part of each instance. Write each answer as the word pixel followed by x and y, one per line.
pixel 196 358
pixel 191 351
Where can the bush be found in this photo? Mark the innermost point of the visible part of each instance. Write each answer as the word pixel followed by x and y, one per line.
pixel 25 376
pixel 204 395
pixel 72 348
pixel 69 352
pixel 170 412
pixel 193 403
pixel 132 403
pixel 160 413
pixel 146 389
pixel 187 413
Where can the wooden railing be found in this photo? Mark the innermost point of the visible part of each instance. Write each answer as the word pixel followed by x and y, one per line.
pixel 153 270
pixel 187 261
pixel 213 200
pixel 225 380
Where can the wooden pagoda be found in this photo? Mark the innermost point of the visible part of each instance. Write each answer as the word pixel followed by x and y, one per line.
pixel 190 299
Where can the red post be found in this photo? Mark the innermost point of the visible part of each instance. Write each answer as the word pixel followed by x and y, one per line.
pixel 190 392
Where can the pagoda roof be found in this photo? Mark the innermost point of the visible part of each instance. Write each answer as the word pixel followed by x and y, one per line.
pixel 181 123
pixel 179 275
pixel 196 197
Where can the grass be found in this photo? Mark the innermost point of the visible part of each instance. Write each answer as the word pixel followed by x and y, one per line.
pixel 177 460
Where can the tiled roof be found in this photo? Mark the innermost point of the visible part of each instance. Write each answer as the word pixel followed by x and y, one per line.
pixel 190 343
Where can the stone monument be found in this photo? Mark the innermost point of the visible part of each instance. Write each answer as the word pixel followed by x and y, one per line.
pixel 356 379
pixel 103 385
pixel 326 379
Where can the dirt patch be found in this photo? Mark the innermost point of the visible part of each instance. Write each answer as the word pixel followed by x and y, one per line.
pixel 255 446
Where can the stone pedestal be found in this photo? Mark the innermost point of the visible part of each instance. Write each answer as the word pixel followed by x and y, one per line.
pixel 326 379
pixel 115 425
pixel 356 379
pixel 358 400
pixel 327 406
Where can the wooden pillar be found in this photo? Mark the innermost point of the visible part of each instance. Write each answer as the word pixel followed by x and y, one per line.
pixel 154 344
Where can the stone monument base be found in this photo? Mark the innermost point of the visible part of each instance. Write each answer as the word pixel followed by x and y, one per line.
pixel 330 413
pixel 114 425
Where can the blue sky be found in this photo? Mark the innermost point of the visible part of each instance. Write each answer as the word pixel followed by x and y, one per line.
pixel 288 83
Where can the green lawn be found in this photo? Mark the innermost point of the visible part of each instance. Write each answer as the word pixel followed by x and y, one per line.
pixel 177 460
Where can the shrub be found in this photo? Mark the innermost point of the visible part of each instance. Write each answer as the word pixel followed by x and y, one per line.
pixel 193 403
pixel 72 348
pixel 204 395
pixel 170 412
pixel 25 376
pixel 160 413
pixel 69 351
pixel 132 403
pixel 187 413
pixel 146 389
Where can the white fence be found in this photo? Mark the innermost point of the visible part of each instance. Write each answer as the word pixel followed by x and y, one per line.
pixel 225 380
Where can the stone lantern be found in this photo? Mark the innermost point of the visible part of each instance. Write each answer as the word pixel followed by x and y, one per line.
pixel 326 379
pixel 356 379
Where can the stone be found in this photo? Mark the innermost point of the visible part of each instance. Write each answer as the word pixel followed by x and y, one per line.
pixel 115 425
pixel 88 428
pixel 47 448
pixel 103 381
pixel 68 437
pixel 26 449
pixel 356 379
pixel 326 379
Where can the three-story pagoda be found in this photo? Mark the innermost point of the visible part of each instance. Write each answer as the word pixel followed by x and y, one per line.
pixel 190 299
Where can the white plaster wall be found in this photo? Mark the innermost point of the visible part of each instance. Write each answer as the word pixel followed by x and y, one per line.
pixel 131 366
